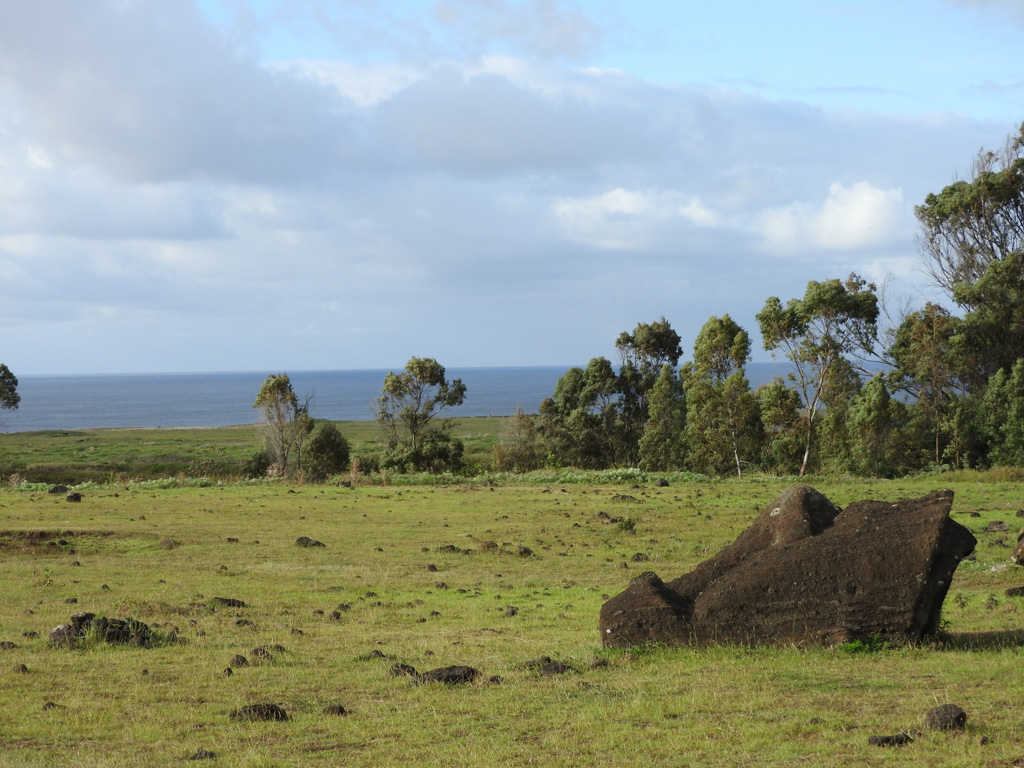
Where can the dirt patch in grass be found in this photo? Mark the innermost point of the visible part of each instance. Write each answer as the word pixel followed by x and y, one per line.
pixel 45 542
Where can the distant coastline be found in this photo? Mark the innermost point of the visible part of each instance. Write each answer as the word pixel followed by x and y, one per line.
pixel 93 401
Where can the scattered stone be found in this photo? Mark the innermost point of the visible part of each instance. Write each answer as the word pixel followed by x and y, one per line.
pixel 203 754
pixel 537 663
pixel 997 526
pixel 305 541
pixel 228 672
pixel 524 551
pixel 488 546
pixel 7 645
pixel 450 549
pixel 58 489
pixel 896 740
pixel 168 544
pixel 375 654
pixel 71 600
pixel 261 656
pixel 431 567
pixel 50 705
pixel 639 557
pixel 441 585
pixel 20 669
pixel 453 675
pixel 244 623
pixel 1015 592
pixel 397 670
pixel 232 540
pixel 256 712
pixel 797 575
pixel 948 717
pixel 661 482
pixel 113 631
pixel 511 611
pixel 29 633
pixel 335 709
pixel 227 602
pixel 238 660
pixel 297 631
pixel 74 497
pixel 553 668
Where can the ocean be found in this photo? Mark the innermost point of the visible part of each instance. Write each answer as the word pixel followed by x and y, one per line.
pixel 64 402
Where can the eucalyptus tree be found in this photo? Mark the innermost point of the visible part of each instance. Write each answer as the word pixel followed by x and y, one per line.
pixel 9 397
pixel 642 355
pixel 408 411
pixel 723 425
pixel 833 319
pixel 972 244
pixel 286 420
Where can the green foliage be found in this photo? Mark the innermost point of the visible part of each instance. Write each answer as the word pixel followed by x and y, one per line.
pixel 9 397
pixel 723 426
pixel 287 421
pixel 407 411
pixel 873 644
pixel 783 427
pixel 833 319
pixel 663 444
pixel 518 448
pixel 971 225
pixel 326 453
pixel 1003 411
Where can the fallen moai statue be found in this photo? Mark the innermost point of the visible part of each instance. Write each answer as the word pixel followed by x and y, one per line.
pixel 805 571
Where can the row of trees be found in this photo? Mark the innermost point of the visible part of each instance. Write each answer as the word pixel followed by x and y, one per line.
pixel 936 387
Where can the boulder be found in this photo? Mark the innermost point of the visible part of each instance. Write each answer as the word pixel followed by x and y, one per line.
pixel 805 571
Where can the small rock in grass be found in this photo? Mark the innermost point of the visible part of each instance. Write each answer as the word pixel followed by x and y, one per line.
pixel 397 670
pixel 335 709
pixel 896 740
pixel 7 645
pixel 453 675
pixel 203 754
pixel 948 717
pixel 261 711
pixel 52 705
pixel 20 669
pixel 227 602
pixel 239 661
pixel 305 541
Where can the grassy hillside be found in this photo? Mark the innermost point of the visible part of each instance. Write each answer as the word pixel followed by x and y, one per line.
pixel 431 577
pixel 100 455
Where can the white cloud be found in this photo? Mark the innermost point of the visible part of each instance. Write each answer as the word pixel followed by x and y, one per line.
pixel 622 219
pixel 860 216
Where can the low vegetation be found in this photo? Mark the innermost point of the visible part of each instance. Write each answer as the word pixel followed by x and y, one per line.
pixel 494 573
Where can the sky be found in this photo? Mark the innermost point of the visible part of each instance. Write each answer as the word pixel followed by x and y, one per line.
pixel 280 185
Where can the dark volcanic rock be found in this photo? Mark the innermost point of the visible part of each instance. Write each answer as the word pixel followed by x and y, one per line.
pixel 804 571
pixel 449 675
pixel 260 712
pixel 227 602
pixel 114 631
pixel 335 709
pixel 948 717
pixel 305 541
pixel 896 740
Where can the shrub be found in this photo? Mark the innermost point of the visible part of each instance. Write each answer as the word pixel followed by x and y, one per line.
pixel 326 454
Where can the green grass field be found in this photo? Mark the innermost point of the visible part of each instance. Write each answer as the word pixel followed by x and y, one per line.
pixel 412 599
pixel 103 455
